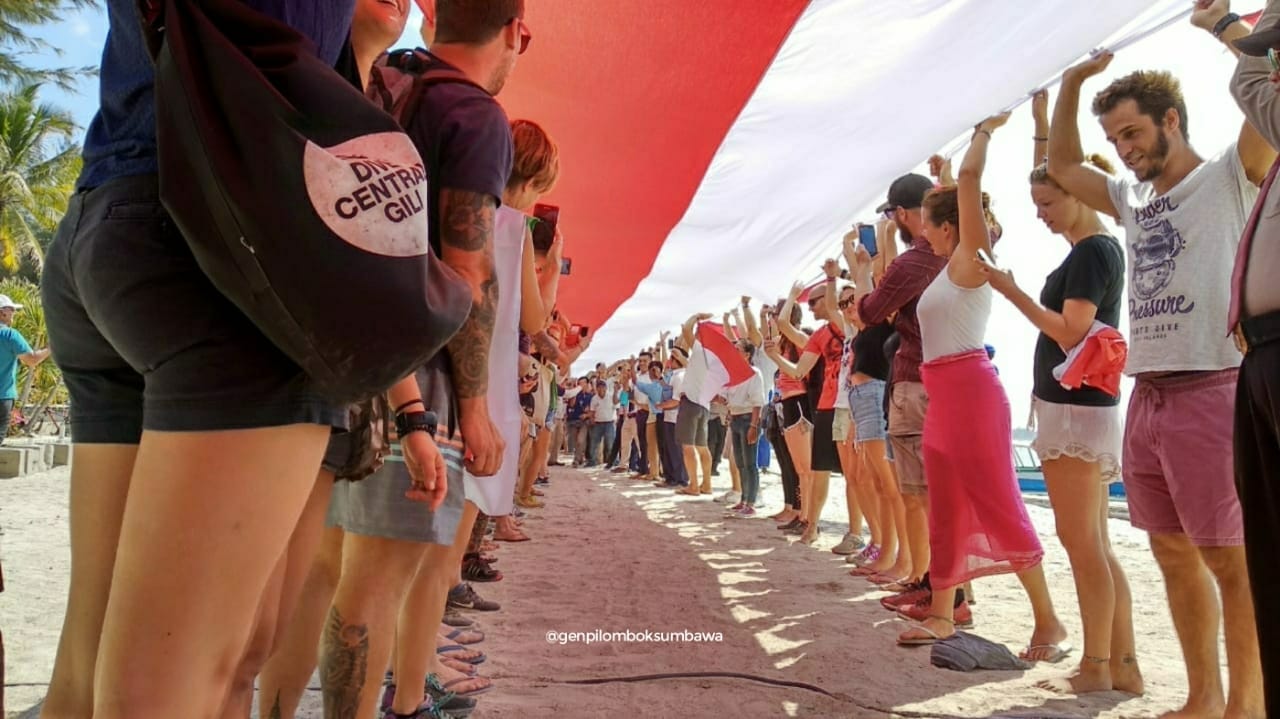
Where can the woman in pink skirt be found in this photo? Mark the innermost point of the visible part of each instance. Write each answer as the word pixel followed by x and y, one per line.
pixel 978 524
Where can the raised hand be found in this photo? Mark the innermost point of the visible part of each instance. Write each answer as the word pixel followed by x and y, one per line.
pixel 1087 69
pixel 992 123
pixel 1040 105
pixel 831 268
pixel 863 257
pixel 797 289
pixel 1207 13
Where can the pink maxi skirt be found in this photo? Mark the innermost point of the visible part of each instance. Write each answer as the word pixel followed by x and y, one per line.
pixel 978 524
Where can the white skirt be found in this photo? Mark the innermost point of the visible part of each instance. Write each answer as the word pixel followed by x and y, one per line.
pixel 1090 434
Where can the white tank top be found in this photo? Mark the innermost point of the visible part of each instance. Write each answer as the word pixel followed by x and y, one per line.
pixel 953 319
pixel 493 494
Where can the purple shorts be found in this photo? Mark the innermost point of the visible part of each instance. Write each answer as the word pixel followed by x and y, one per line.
pixel 1178 470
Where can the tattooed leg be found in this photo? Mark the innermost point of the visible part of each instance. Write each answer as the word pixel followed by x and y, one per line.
pixel 360 631
pixel 343 666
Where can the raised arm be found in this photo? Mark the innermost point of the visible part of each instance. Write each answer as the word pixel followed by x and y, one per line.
pixel 940 169
pixel 831 297
pixel 790 331
pixel 1040 115
pixel 533 309
pixel 797 369
pixel 730 329
pixel 753 334
pixel 1251 87
pixel 1066 156
pixel 887 244
pixel 687 329
pixel 974 234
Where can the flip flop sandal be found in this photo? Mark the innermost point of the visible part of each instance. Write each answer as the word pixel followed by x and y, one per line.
pixel 933 637
pixel 521 537
pixel 887 581
pixel 862 572
pixel 450 649
pixel 1057 653
pixel 459 632
pixel 448 686
pixel 459 666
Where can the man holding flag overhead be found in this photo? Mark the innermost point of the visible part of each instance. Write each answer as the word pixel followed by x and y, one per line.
pixel 714 364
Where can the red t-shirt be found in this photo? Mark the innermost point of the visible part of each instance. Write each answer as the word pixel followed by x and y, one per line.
pixel 828 343
pixel 787 385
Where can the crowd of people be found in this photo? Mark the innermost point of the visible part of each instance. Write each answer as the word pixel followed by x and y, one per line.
pixel 893 387
pixel 210 456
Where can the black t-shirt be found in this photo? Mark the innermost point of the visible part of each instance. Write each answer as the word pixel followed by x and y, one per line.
pixel 868 351
pixel 465 138
pixel 1093 271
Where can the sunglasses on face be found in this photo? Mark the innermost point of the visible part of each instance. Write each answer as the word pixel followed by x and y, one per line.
pixel 814 301
pixel 844 304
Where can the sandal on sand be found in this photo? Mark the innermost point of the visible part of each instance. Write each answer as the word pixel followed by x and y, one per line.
pixel 433 682
pixel 516 536
pixel 461 653
pixel 1057 652
pixel 458 635
pixel 863 572
pixel 932 638
pixel 469 669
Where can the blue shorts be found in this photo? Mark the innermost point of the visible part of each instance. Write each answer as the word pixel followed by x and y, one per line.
pixel 867 403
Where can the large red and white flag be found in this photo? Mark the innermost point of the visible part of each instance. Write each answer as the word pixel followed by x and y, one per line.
pixel 718 148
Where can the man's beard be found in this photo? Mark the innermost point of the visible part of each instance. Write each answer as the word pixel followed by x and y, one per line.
pixel 1157 158
pixel 904 233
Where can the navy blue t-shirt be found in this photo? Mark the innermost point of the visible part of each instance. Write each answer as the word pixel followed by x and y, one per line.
pixel 465 138
pixel 121 140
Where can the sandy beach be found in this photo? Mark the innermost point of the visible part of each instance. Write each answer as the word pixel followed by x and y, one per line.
pixel 616 555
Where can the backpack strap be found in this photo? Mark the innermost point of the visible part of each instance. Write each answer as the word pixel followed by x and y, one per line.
pixel 416 63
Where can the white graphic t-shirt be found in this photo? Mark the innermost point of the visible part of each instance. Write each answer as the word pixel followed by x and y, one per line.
pixel 1181 249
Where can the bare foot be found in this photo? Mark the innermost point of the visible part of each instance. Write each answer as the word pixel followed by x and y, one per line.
pixel 473 683
pixel 1126 676
pixel 1089 677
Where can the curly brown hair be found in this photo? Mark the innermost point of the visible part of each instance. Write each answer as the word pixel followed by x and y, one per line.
pixel 1155 91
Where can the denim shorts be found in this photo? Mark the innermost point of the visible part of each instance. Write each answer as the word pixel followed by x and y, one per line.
pixel 144 339
pixel 867 404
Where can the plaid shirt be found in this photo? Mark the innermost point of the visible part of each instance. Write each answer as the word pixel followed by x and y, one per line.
pixel 899 290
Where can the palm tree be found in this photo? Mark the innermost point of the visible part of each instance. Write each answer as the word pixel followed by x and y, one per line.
pixel 38 169
pixel 16 16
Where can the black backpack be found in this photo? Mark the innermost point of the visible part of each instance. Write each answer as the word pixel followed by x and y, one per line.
pixel 304 204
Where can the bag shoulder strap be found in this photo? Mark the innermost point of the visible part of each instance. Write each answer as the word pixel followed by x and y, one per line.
pixel 400 78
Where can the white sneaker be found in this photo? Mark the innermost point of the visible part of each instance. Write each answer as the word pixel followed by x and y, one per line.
pixel 730 497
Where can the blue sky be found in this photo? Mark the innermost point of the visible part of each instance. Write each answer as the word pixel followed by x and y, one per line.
pixel 79 39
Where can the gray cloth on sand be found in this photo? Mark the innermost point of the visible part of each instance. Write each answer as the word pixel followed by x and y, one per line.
pixel 966 652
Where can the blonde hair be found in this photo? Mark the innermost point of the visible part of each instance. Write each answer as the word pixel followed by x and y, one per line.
pixel 537 158
pixel 1041 176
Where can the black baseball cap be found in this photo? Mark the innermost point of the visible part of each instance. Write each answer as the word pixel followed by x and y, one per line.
pixel 1260 41
pixel 907 192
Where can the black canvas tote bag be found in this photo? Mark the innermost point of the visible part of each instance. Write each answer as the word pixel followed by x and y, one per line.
pixel 304 203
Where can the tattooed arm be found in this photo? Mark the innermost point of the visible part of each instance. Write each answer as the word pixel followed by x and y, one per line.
pixel 466 234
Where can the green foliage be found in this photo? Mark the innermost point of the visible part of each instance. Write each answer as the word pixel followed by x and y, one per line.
pixel 16 18
pixel 38 169
pixel 46 387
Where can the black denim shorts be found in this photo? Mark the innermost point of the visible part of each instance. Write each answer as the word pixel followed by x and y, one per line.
pixel 145 341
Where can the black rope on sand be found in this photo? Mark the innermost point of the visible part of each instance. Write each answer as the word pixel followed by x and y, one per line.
pixel 753 678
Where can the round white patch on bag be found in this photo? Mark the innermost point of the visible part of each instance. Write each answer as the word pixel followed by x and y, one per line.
pixel 372 192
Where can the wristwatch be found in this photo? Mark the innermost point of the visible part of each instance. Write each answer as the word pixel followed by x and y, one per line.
pixel 407 422
pixel 1227 21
